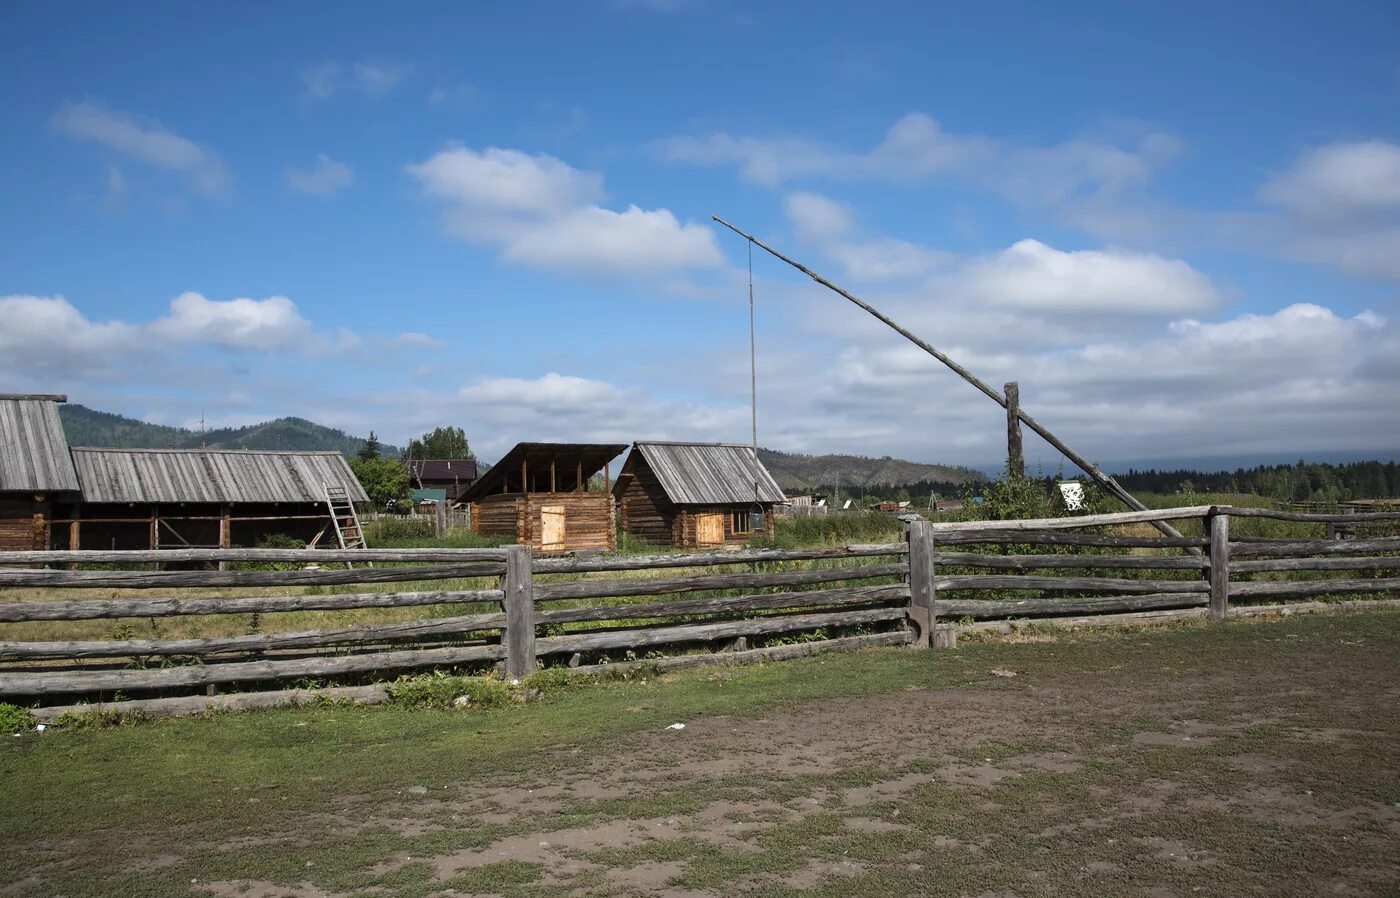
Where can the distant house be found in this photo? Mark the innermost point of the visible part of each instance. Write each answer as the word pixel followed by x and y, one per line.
pixel 695 494
pixel 177 498
pixel 453 475
pixel 36 471
pixel 538 495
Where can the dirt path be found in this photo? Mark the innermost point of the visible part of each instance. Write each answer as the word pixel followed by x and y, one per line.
pixel 1086 769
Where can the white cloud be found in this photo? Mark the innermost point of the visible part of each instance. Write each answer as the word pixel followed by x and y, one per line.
pixel 917 147
pixel 374 79
pixel 817 217
pixel 500 180
pixel 539 211
pixel 325 178
pixel 147 142
pixel 1340 181
pixel 1029 275
pixel 46 336
pixel 235 323
pixel 1341 206
pixel 1032 275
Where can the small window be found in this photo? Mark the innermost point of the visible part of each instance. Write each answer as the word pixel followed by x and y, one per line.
pixel 738 522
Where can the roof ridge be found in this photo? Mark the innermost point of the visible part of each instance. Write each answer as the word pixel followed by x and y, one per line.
pixel 748 446
pixel 209 451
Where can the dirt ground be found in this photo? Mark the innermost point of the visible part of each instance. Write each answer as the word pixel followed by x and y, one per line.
pixel 1156 764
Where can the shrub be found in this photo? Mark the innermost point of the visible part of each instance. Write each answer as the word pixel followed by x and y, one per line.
pixel 387 530
pixel 440 689
pixel 14 719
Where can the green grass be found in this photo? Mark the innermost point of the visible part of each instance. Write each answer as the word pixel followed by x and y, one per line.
pixel 1289 789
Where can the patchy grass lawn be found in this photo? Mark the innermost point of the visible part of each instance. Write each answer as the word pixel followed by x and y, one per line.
pixel 1257 757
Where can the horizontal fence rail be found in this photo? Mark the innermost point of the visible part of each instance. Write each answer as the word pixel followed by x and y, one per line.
pixel 690 608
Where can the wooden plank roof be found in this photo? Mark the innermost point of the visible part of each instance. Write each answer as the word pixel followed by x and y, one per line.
pixel 33 450
pixel 211 475
pixel 710 473
pixel 537 457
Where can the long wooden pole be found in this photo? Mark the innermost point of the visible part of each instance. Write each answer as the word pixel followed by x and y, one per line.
pixel 1083 463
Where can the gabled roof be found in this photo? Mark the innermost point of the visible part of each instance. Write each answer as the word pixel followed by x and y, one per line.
pixel 212 475
pixel 33 450
pixel 462 470
pixel 504 475
pixel 710 473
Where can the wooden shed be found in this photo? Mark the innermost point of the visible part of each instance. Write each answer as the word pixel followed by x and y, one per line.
pixel 452 475
pixel 538 495
pixel 36 471
pixel 695 494
pixel 178 498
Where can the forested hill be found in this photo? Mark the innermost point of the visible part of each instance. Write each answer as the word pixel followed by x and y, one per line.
pixel 88 427
pixel 1301 482
pixel 805 473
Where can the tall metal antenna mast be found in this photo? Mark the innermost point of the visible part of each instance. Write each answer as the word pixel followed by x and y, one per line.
pixel 1088 467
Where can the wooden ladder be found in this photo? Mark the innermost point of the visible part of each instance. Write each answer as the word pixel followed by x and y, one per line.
pixel 346 521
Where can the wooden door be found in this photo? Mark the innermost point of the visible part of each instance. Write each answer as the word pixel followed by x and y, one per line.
pixel 709 529
pixel 551 528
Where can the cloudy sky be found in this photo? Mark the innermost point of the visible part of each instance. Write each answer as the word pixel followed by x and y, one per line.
pixel 1177 225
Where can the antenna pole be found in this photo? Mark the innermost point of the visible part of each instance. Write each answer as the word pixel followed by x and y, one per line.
pixel 1088 467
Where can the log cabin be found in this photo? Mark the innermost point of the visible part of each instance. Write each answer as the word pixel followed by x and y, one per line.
pixel 537 494
pixel 36 471
pixel 694 495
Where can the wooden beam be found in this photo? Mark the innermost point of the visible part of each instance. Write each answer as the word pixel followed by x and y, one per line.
pixel 1015 457
pixel 1083 463
pixel 107 609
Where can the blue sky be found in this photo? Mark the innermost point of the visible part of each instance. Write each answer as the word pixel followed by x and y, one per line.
pixel 1177 226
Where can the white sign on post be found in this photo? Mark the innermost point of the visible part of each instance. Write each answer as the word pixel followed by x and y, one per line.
pixel 1072 491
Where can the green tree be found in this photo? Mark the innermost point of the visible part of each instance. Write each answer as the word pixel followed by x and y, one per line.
pixel 371 449
pixel 441 442
pixel 385 480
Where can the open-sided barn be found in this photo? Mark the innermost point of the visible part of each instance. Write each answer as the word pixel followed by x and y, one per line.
pixel 149 498
pixel 36 471
pixel 538 495
pixel 695 494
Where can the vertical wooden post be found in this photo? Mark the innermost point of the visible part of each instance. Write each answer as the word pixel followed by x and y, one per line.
pixel 579 485
pixel 440 518
pixel 922 594
pixel 1219 528
pixel 75 529
pixel 1015 456
pixel 225 531
pixel 553 486
pixel 519 606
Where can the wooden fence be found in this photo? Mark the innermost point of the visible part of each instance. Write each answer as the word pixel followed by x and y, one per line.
pixel 679 609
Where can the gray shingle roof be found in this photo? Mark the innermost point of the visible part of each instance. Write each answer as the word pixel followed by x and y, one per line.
pixel 33 450
pixel 710 473
pixel 211 475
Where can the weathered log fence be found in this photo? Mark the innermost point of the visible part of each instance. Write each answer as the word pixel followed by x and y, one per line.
pixel 504 607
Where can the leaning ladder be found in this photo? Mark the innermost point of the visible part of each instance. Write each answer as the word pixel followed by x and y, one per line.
pixel 346 521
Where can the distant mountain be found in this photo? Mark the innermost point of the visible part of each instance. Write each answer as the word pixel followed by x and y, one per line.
pixel 88 427
pixel 804 473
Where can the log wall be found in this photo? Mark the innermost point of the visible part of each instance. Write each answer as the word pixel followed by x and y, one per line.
pixel 589 520
pixel 23 522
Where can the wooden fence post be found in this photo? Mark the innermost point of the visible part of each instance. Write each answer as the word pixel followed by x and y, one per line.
pixel 440 518
pixel 1218 527
pixel 922 594
pixel 1015 456
pixel 519 606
